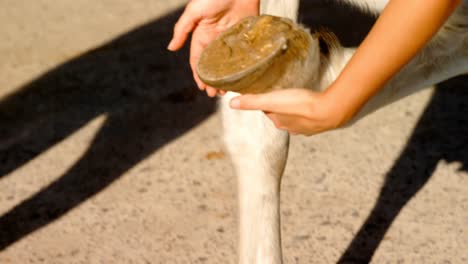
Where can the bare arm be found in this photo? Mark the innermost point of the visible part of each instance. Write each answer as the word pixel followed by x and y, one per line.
pixel 402 30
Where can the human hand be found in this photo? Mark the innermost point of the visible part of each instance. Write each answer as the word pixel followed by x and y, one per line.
pixel 207 19
pixel 298 111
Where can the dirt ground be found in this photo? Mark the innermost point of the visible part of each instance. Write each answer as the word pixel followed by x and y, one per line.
pixel 108 154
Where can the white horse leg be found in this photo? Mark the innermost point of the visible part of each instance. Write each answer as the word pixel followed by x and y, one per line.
pixel 445 57
pixel 259 152
pixel 411 80
pixel 282 8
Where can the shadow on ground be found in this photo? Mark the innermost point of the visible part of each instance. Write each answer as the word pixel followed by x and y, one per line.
pixel 440 134
pixel 147 95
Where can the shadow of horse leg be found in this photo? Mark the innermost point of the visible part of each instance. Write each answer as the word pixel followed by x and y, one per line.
pixel 441 134
pixel 122 142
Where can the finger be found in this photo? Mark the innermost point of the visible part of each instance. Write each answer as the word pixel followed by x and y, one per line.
pixel 285 122
pixel 222 92
pixel 290 101
pixel 218 91
pixel 200 84
pixel 186 23
pixel 199 43
pixel 296 125
pixel 274 119
pixel 201 37
pixel 211 91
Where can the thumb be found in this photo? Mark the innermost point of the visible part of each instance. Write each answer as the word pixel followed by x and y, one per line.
pixel 289 101
pixel 248 102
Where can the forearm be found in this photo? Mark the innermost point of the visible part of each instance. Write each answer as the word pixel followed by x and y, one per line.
pixel 403 28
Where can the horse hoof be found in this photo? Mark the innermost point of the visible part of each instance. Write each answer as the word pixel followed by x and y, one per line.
pixel 254 55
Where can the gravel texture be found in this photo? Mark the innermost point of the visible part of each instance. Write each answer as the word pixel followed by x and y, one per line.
pixel 108 154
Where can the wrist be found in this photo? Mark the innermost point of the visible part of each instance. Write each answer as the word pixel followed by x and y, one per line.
pixel 342 106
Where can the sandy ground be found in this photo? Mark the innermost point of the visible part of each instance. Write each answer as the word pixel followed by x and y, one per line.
pixel 109 155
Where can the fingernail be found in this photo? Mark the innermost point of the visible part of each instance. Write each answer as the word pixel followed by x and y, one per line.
pixel 235 103
pixel 171 45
